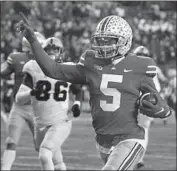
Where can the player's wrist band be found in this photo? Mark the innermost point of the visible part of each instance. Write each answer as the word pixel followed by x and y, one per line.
pixel 77 102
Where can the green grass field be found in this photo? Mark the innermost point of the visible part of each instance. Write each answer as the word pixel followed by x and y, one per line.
pixel 80 153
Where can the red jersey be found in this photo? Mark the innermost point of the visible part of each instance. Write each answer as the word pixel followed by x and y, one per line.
pixel 114 89
pixel 15 65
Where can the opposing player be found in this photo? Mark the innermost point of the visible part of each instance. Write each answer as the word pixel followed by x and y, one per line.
pixel 115 79
pixel 50 102
pixel 19 114
pixel 144 120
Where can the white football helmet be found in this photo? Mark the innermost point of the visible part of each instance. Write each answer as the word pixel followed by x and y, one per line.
pixel 142 51
pixel 26 47
pixel 54 48
pixel 112 38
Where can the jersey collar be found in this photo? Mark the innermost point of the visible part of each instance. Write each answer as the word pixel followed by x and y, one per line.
pixel 118 60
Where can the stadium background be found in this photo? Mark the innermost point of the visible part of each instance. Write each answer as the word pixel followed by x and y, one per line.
pixel 154 25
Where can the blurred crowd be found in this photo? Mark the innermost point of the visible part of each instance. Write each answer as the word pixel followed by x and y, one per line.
pixel 74 22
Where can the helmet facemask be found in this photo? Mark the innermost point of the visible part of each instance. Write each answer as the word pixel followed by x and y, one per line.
pixel 108 47
pixel 54 52
pixel 54 48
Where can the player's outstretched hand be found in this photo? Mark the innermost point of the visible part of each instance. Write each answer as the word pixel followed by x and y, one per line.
pixel 76 110
pixel 35 92
pixel 24 27
pixel 159 110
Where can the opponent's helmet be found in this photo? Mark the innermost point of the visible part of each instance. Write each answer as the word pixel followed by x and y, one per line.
pixel 26 47
pixel 54 48
pixel 112 38
pixel 142 51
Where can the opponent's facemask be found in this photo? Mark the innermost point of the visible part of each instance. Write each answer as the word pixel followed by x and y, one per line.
pixel 54 48
pixel 112 38
pixel 142 51
pixel 26 47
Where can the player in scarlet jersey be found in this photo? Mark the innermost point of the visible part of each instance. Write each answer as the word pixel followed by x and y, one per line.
pixel 115 79
pixel 19 114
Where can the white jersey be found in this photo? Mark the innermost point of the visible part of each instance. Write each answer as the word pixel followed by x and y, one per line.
pixel 51 105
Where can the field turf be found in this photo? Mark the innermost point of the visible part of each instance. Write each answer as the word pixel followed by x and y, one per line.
pixel 80 153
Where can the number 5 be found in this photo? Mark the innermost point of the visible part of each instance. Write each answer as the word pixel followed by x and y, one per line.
pixel 106 78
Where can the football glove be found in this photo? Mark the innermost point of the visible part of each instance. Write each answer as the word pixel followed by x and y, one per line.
pixel 35 92
pixel 159 110
pixel 76 110
pixel 24 27
pixel 38 90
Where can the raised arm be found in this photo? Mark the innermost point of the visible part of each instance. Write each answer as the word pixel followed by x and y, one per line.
pixel 69 73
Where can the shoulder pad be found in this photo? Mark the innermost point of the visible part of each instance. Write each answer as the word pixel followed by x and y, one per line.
pixel 68 63
pixel 12 57
pixel 16 57
pixel 142 56
pixel 29 67
pixel 147 64
pixel 16 54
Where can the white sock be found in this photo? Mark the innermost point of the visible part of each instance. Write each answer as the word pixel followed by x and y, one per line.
pixel 4 117
pixel 8 159
pixel 147 140
pixel 60 166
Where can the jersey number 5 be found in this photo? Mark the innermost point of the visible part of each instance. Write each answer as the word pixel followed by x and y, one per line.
pixel 116 96
pixel 45 86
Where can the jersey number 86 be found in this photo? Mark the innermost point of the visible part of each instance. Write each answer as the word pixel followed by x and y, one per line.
pixel 43 87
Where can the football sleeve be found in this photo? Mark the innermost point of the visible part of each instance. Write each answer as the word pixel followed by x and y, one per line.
pixel 161 109
pixel 151 68
pixel 8 66
pixel 11 60
pixel 69 73
pixel 77 91
pixel 75 88
pixel 150 73
pixel 157 83
pixel 74 73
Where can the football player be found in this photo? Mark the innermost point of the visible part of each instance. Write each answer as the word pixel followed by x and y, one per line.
pixel 19 114
pixel 50 102
pixel 115 79
pixel 144 120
